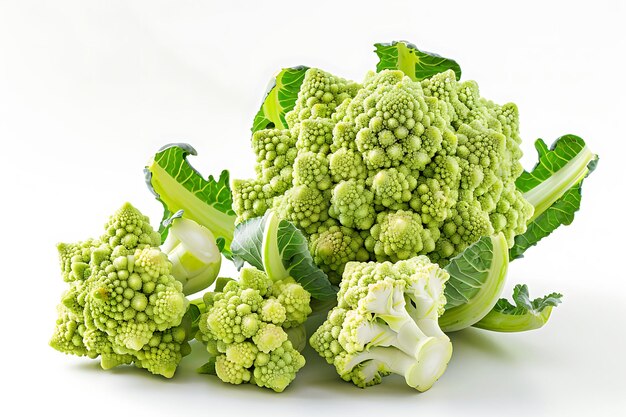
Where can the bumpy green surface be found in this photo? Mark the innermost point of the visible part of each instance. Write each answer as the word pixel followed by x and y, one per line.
pixel 389 169
pixel 244 330
pixel 123 305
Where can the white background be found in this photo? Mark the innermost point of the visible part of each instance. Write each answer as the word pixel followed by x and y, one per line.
pixel 90 90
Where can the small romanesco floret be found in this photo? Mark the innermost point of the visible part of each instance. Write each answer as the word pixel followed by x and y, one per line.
pixel 245 329
pixel 123 304
pixel 398 168
pixel 386 322
pixel 333 246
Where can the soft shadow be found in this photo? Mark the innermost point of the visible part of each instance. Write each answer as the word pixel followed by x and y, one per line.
pixel 478 340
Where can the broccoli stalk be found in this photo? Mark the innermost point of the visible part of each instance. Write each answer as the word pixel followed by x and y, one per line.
pixel 382 322
pixel 195 257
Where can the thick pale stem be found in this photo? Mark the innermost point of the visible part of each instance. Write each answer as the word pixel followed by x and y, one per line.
pixel 195 258
pixel 465 315
pixel 500 322
pixel 409 338
pixel 272 258
pixel 394 359
pixel 431 364
pixel 553 188
pixel 420 373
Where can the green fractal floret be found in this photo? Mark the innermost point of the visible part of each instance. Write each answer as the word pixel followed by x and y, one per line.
pixel 315 136
pixel 304 206
pixel 351 204
pixel 334 246
pixel 400 235
pixel 123 304
pixel 411 167
pixel 311 169
pixel 244 329
pixel 392 188
pixel 320 95
pixel 276 369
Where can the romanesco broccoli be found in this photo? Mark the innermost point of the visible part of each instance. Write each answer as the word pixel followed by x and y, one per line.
pixel 123 304
pixel 389 169
pixel 244 328
pixel 386 322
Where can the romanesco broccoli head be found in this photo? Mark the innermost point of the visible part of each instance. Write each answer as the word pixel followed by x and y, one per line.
pixel 245 325
pixel 123 304
pixel 411 168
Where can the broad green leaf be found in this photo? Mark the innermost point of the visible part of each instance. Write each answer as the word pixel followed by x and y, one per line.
pixel 178 186
pixel 281 250
pixel 560 213
pixel 418 65
pixel 280 98
pixel 554 188
pixel 477 276
pixel 298 262
pixel 524 315
pixel 247 243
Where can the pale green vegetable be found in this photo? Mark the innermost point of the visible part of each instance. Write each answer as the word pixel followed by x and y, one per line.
pixel 386 322
pixel 246 328
pixel 123 304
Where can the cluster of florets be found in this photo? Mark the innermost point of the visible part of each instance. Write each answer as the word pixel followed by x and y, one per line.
pixel 389 169
pixel 246 329
pixel 123 305
pixel 386 322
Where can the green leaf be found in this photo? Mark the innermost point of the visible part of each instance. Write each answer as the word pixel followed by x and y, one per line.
pixel 178 186
pixel 220 283
pixel 418 65
pixel 281 250
pixel 560 213
pixel 523 316
pixel 209 367
pixel 299 264
pixel 191 319
pixel 193 312
pixel 477 277
pixel 247 243
pixel 554 188
pixel 280 98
